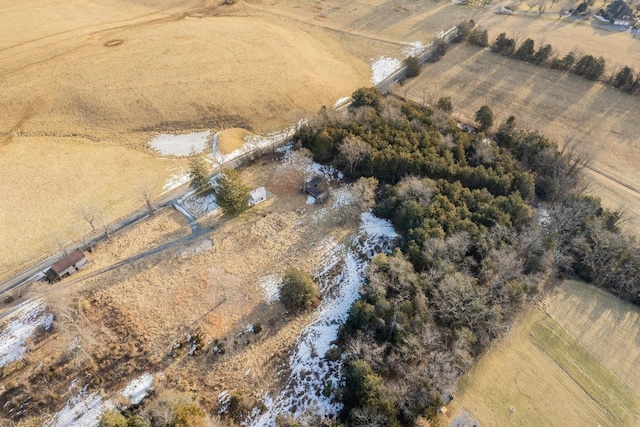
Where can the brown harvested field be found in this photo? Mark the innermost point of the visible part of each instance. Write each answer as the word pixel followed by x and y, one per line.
pixel 567 34
pixel 80 79
pixel 567 364
pixel 601 119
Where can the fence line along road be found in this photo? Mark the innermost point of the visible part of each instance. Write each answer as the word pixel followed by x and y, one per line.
pixel 87 240
pixel 43 262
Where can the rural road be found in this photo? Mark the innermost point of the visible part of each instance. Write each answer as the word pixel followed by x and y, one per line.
pixel 170 199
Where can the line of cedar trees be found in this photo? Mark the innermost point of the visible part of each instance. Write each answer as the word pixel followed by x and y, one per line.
pixel 471 255
pixel 587 66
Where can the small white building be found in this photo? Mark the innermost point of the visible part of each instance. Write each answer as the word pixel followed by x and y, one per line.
pixel 256 196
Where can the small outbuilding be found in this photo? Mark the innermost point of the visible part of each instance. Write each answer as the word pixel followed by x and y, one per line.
pixel 256 196
pixel 317 188
pixel 68 265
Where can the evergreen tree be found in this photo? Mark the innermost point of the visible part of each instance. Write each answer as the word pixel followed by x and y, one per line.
pixel 526 51
pixel 198 173
pixel 231 193
pixel 503 45
pixel 484 118
pixel 479 37
pixel 624 79
pixel 413 66
pixel 542 55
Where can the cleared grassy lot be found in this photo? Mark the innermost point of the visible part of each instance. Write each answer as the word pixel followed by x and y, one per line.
pixel 551 376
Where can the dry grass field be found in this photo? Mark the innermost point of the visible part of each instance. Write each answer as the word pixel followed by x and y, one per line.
pixel 567 34
pixel 132 315
pixel 569 364
pixel 80 80
pixel 231 139
pixel 600 119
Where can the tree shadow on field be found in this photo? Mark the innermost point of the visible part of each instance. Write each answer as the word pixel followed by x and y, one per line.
pixel 608 316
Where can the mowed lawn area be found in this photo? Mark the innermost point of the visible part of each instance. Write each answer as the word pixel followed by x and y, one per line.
pixel 570 362
pixel 601 120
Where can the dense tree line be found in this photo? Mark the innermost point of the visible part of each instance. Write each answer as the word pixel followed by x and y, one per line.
pixel 587 237
pixel 587 66
pixel 472 252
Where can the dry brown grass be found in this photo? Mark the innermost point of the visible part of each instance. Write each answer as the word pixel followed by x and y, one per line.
pixel 79 77
pixel 600 119
pixel 605 325
pixel 45 182
pixel 571 365
pixel 129 317
pixel 230 140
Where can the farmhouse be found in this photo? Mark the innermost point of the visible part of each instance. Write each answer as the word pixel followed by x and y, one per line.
pixel 316 188
pixel 68 265
pixel 619 13
pixel 256 196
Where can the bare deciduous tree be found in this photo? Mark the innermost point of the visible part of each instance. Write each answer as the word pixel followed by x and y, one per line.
pixel 295 168
pixel 145 192
pixel 90 213
pixel 354 150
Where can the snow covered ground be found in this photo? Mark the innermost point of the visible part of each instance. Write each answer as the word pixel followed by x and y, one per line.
pixel 180 145
pixel 271 288
pixel 199 205
pixel 383 67
pixel 302 396
pixel 138 388
pixel 175 181
pixel 82 410
pixel 341 101
pixel 85 409
pixel 413 49
pixel 254 142
pixel 20 327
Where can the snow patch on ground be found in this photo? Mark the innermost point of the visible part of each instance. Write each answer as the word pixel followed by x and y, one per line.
pixel 138 388
pixel 413 49
pixel 327 171
pixel 83 410
pixel 341 101
pixel 341 197
pixel 302 396
pixel 21 326
pixel 176 180
pixel 271 288
pixel 200 205
pixel 383 67
pixel 224 399
pixel 180 145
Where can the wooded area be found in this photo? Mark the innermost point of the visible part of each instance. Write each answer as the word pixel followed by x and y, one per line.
pixel 472 252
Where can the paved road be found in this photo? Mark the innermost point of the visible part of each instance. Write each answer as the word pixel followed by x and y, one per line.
pixel 170 199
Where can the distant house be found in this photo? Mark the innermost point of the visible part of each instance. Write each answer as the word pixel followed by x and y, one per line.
pixel 619 13
pixel 317 188
pixel 256 196
pixel 68 265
